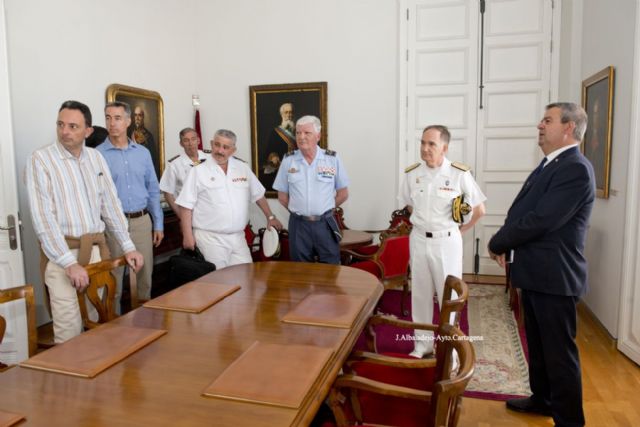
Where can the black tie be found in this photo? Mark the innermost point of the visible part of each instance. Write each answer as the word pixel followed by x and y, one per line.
pixel 537 170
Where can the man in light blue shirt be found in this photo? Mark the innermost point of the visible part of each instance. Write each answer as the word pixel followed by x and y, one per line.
pixel 311 183
pixel 137 185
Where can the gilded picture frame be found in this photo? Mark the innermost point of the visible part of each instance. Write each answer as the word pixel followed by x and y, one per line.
pixel 597 100
pixel 147 119
pixel 274 109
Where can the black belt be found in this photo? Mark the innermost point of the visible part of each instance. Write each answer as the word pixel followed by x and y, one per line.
pixel 137 214
pixel 430 234
pixel 313 218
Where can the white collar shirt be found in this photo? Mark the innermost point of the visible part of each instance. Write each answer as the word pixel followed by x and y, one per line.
pixel 176 172
pixel 72 196
pixel 431 191
pixel 551 156
pixel 220 202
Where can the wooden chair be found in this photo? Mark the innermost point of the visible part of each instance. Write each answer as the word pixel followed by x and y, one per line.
pixel 22 292
pixel 390 262
pixel 253 241
pixel 102 290
pixel 403 392
pixel 449 306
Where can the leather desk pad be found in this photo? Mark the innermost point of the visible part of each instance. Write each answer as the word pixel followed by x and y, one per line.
pixel 94 351
pixel 192 297
pixel 271 374
pixel 335 310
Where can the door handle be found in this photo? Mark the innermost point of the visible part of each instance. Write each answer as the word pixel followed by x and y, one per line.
pixel 11 228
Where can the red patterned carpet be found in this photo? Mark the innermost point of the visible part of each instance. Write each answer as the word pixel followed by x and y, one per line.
pixel 501 365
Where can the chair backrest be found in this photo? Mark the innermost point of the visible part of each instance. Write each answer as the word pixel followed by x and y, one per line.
pixel 393 254
pixel 17 293
pixel 449 305
pixel 252 241
pixel 338 214
pixel 449 385
pixel 400 216
pixel 101 291
pixel 387 389
pixel 3 327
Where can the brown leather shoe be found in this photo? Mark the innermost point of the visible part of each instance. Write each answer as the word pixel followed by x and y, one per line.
pixel 526 404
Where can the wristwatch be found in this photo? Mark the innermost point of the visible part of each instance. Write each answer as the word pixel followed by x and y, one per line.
pixel 270 217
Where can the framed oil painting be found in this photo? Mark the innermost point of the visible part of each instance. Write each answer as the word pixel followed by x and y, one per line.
pixel 147 119
pixel 274 110
pixel 597 100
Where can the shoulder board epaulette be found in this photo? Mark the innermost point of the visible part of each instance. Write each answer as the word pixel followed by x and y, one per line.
pixel 238 158
pixel 206 151
pixel 460 166
pixel 289 153
pixel 202 161
pixel 173 158
pixel 410 168
pixel 329 152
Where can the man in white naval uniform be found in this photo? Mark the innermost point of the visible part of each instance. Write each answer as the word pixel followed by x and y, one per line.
pixel 214 204
pixel 435 242
pixel 178 167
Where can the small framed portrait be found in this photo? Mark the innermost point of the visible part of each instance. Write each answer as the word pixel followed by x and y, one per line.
pixel 274 111
pixel 597 100
pixel 147 119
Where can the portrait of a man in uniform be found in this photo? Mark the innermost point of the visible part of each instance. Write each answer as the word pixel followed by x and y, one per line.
pixel 274 111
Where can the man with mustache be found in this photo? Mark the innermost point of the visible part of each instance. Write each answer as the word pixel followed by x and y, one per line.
pixel 214 204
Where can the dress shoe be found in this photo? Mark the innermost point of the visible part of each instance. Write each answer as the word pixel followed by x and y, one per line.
pixel 422 349
pixel 526 404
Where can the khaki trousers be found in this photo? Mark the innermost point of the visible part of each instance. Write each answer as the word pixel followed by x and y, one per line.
pixel 65 310
pixel 140 230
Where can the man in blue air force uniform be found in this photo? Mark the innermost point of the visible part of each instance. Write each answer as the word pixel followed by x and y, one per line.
pixel 311 183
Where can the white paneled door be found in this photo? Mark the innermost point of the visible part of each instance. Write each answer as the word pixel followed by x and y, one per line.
pixel 482 68
pixel 14 347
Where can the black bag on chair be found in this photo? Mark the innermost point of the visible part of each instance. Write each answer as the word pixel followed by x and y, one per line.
pixel 188 265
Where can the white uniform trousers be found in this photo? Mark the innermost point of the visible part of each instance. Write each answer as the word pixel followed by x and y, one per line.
pixel 223 250
pixel 432 260
pixel 65 310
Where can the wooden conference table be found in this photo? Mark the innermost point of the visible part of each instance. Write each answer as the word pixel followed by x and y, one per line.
pixel 161 384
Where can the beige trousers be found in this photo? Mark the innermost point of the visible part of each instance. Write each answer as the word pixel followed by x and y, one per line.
pixel 141 232
pixel 65 310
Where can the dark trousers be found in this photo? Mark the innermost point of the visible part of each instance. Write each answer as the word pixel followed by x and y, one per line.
pixel 554 363
pixel 313 240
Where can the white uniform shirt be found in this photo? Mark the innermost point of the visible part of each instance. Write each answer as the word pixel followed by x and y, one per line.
pixel 220 202
pixel 431 191
pixel 176 172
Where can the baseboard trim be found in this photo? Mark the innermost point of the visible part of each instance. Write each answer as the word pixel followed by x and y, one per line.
pixel 484 279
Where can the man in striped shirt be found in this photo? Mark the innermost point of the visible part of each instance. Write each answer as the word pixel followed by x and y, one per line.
pixel 72 200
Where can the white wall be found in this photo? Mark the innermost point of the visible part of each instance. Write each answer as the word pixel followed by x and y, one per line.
pixel 66 49
pixel 349 44
pixel 608 39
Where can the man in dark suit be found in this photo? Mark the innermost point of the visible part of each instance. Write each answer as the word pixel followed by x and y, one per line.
pixel 544 236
